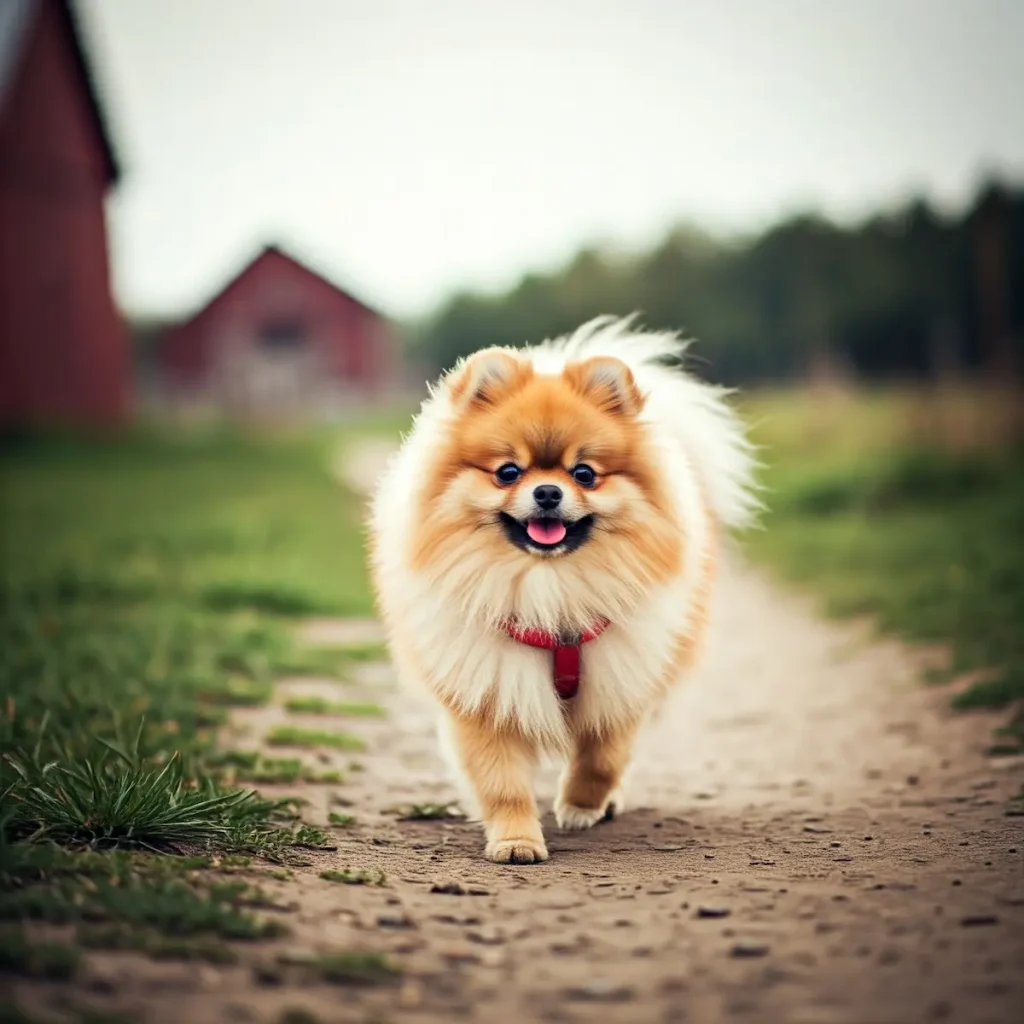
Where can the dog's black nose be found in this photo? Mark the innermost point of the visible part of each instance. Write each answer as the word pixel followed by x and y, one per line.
pixel 547 496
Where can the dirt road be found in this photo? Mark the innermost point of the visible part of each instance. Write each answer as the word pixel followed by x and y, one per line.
pixel 811 836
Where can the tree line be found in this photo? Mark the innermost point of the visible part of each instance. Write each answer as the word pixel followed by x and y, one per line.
pixel 911 292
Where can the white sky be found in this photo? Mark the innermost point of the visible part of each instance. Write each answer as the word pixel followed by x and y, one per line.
pixel 411 147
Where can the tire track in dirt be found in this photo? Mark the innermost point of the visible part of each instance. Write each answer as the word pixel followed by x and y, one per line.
pixel 812 836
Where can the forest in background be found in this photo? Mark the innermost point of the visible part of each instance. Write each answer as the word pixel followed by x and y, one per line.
pixel 912 293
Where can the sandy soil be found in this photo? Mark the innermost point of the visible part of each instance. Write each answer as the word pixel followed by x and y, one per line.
pixel 812 836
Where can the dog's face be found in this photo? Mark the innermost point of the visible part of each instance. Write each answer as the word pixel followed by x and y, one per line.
pixel 547 469
pixel 551 463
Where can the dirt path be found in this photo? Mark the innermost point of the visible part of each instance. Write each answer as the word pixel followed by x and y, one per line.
pixel 813 836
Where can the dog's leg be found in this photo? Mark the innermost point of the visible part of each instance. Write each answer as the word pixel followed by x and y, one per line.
pixel 499 766
pixel 590 787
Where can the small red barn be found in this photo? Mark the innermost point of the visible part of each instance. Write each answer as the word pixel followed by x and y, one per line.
pixel 278 339
pixel 64 355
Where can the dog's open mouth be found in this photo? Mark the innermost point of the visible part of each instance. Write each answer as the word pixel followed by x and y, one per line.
pixel 548 533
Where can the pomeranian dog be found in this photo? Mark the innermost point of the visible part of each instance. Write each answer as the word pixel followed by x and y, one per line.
pixel 543 548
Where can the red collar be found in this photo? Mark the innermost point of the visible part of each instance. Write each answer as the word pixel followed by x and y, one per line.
pixel 566 655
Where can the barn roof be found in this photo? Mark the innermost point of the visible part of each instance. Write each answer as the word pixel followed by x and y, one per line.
pixel 274 250
pixel 16 19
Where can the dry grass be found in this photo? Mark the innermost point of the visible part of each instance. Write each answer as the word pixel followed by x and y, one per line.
pixel 841 422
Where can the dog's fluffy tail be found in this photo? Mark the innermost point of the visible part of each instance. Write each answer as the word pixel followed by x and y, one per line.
pixel 696 414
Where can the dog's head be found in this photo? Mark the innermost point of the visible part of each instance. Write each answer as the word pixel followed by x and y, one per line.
pixel 547 470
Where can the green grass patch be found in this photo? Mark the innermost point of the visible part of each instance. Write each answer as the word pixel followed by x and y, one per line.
pixel 146 586
pixel 361 653
pixel 320 706
pixel 925 542
pixel 292 736
pixel 361 876
pixel 297 1015
pixel 999 692
pixel 167 907
pixel 277 771
pixel 356 969
pixel 339 820
pixel 317 661
pixel 53 961
pixel 430 812
pixel 337 968
pixel 205 948
pixel 88 1015
pixel 149 586
pixel 117 798
pixel 229 597
pixel 252 766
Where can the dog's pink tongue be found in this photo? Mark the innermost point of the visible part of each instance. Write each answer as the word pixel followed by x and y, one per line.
pixel 546 531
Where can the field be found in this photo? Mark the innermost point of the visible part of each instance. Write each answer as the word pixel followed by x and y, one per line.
pixel 153 587
pixel 905 507
pixel 149 587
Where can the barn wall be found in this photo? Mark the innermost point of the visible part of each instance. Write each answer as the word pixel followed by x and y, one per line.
pixel 63 348
pixel 205 357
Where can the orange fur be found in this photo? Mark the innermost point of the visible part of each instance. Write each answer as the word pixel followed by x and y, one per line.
pixel 500 763
pixel 597 765
pixel 546 425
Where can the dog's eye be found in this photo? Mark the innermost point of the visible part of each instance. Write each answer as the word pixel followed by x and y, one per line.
pixel 508 474
pixel 584 475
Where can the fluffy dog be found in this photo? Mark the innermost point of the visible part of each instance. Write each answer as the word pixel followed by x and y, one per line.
pixel 543 546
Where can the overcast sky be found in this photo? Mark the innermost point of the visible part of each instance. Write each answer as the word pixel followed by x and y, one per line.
pixel 409 148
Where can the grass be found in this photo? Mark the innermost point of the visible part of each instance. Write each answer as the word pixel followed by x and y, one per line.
pixel 167 907
pixel 320 706
pixel 881 520
pixel 149 586
pixel 293 736
pixel 371 650
pixel 144 586
pixel 430 812
pixel 356 969
pixel 319 661
pixel 297 1015
pixel 252 766
pixel 174 896
pixel 360 876
pixel 159 947
pixel 55 962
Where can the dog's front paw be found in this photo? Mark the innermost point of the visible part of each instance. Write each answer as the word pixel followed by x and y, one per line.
pixel 517 851
pixel 572 817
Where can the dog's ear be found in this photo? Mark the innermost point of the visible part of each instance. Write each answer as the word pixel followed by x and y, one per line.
pixel 486 377
pixel 608 383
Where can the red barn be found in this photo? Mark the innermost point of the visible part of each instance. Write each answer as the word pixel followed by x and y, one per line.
pixel 64 354
pixel 278 339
